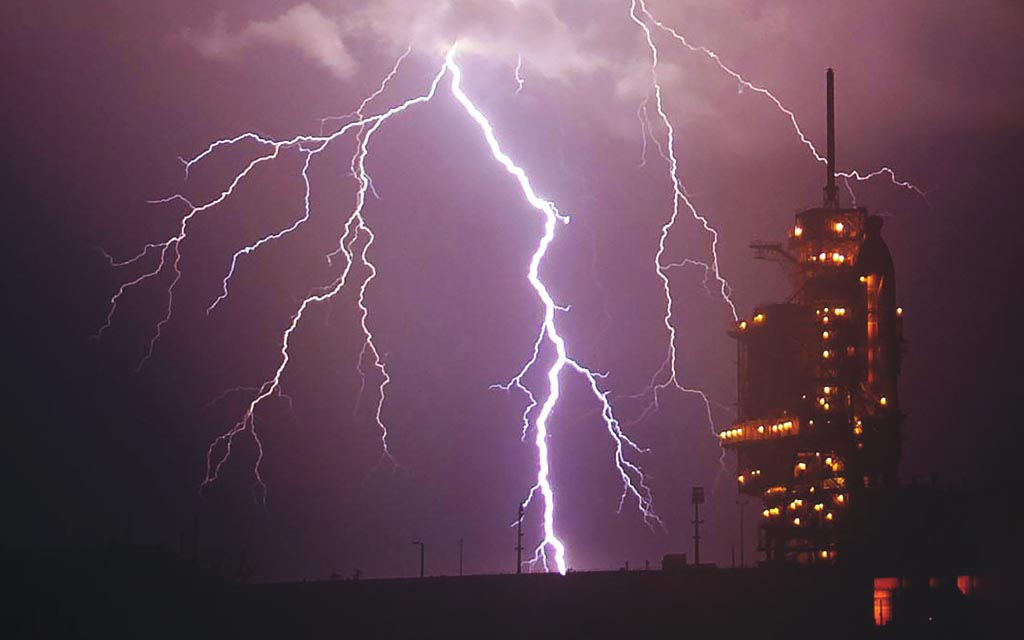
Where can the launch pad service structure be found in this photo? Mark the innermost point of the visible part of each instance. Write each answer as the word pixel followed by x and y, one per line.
pixel 819 417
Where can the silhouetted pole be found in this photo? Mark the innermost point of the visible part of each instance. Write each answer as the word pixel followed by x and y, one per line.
pixel 460 556
pixel 697 497
pixel 519 541
pixel 831 192
pixel 421 545
pixel 741 503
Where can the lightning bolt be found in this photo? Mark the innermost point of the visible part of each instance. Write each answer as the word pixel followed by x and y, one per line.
pixel 552 217
pixel 667 375
pixel 355 230
pixel 520 82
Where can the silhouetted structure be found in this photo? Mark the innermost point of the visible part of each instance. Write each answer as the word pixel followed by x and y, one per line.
pixel 819 418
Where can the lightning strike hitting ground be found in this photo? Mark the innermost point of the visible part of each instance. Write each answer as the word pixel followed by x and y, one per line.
pixel 552 217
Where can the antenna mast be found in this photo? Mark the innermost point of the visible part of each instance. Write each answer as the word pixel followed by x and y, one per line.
pixel 831 193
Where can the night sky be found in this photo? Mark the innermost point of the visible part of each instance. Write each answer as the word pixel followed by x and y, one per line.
pixel 100 99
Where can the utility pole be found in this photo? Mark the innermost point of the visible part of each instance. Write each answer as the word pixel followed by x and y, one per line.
pixel 741 503
pixel 460 556
pixel 697 497
pixel 519 541
pixel 421 545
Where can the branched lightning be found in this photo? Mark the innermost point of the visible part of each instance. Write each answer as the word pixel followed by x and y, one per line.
pixel 647 132
pixel 359 111
pixel 667 375
pixel 746 84
pixel 354 228
pixel 354 243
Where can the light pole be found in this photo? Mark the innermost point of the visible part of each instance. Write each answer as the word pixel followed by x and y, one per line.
pixel 740 502
pixel 421 545
pixel 519 540
pixel 697 498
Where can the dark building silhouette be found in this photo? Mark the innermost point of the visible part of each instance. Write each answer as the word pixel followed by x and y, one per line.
pixel 819 417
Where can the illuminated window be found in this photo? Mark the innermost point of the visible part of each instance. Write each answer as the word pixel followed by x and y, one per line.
pixel 966 584
pixel 884 588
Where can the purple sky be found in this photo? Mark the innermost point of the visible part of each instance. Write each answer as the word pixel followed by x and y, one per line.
pixel 101 98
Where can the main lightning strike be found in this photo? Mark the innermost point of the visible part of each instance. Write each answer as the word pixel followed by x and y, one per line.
pixel 552 217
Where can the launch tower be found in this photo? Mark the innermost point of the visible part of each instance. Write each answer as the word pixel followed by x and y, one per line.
pixel 818 409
